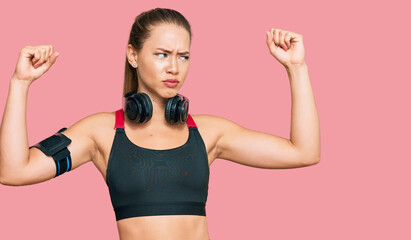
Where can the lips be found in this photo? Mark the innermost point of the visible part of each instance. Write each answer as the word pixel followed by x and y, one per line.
pixel 171 80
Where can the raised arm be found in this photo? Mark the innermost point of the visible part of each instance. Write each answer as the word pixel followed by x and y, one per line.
pixel 264 150
pixel 20 165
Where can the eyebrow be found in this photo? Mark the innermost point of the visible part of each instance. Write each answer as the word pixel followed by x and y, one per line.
pixel 168 51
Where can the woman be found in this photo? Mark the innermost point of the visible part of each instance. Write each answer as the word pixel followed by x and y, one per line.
pixel 156 161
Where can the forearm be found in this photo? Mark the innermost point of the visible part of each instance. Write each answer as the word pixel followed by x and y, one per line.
pixel 14 149
pixel 305 127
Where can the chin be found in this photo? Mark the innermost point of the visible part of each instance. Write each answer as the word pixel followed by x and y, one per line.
pixel 170 92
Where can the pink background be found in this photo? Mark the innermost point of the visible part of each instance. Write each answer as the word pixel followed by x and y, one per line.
pixel 358 55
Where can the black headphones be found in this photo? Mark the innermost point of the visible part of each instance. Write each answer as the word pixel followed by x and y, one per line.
pixel 139 109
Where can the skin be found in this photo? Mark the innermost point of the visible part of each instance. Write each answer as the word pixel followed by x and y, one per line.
pixel 92 136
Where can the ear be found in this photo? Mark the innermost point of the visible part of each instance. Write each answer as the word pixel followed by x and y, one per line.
pixel 131 55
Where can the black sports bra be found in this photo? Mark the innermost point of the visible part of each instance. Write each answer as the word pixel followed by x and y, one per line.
pixel 146 182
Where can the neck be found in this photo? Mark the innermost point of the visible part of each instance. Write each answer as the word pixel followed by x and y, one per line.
pixel 159 106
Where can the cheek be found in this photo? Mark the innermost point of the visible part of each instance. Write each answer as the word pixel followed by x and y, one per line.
pixel 152 69
pixel 158 67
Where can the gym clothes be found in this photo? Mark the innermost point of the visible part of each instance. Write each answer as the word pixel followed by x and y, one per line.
pixel 146 182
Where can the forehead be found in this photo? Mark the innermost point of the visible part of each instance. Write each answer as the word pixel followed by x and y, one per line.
pixel 169 36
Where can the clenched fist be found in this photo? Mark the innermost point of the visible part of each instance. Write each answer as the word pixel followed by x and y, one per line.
pixel 286 46
pixel 34 61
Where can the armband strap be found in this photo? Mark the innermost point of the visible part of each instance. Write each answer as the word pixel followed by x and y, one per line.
pixel 56 146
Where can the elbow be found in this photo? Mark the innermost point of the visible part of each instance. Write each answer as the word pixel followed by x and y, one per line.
pixel 309 158
pixel 6 182
pixel 310 161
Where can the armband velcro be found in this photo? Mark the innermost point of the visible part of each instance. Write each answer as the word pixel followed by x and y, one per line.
pixel 56 146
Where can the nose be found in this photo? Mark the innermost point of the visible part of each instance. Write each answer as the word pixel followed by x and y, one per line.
pixel 173 66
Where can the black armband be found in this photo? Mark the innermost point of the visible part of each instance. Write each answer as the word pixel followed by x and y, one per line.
pixel 56 146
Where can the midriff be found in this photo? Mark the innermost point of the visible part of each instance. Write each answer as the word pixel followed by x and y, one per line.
pixel 170 227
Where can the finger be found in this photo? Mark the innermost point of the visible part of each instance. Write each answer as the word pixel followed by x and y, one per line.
pixel 287 39
pixel 276 37
pixel 51 50
pixel 270 42
pixel 50 61
pixel 281 35
pixel 40 58
pixel 36 56
pixel 47 49
pixel 43 57
pixel 272 35
pixel 269 39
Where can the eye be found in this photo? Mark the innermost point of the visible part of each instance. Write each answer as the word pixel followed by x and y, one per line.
pixel 187 57
pixel 161 53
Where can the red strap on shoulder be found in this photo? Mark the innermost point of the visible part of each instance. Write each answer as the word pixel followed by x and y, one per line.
pixel 190 121
pixel 119 119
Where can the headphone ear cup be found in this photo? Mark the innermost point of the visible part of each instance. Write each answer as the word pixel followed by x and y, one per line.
pixel 177 109
pixel 138 107
pixel 133 109
pixel 170 109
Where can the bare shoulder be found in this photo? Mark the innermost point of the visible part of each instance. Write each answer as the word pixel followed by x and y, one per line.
pixel 212 128
pixel 212 123
pixel 101 117
pixel 99 125
pixel 91 124
pixel 94 127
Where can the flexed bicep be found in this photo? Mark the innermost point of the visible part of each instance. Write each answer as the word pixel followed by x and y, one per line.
pixel 58 154
pixel 256 149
